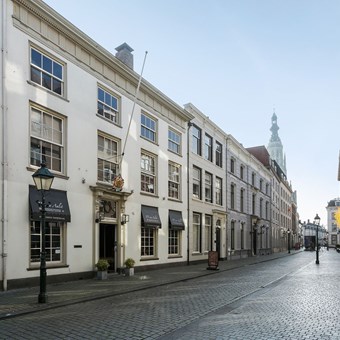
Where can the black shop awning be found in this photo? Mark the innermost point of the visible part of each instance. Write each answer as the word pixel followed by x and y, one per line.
pixel 57 210
pixel 176 220
pixel 150 217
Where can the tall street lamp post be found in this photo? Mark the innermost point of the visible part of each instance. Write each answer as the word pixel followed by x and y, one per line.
pixel 43 181
pixel 317 222
pixel 288 241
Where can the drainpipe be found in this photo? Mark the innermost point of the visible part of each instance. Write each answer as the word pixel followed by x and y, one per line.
pixel 226 197
pixel 4 140
pixel 188 191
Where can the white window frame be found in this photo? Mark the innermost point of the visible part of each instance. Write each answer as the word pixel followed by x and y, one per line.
pixel 107 158
pixel 174 242
pixel 108 105
pixel 232 165
pixel 47 133
pixel 242 172
pixel 196 140
pixel 197 182
pixel 208 187
pixel 148 127
pixel 148 173
pixel 196 234
pixel 55 253
pixel 41 70
pixel 208 147
pixel 232 235
pixel 242 196
pixel 218 191
pixel 174 181
pixel 174 142
pixel 219 154
pixel 207 233
pixel 232 195
pixel 149 242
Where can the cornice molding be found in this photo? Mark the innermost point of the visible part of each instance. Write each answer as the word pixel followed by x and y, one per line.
pixel 53 19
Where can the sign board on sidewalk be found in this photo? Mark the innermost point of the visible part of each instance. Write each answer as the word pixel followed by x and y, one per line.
pixel 213 260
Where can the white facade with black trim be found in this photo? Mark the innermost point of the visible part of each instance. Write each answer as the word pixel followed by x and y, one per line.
pixel 136 175
pixel 68 102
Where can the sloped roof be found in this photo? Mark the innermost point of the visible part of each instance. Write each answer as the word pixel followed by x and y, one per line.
pixel 261 153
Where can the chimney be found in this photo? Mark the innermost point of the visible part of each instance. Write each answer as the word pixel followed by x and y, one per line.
pixel 124 54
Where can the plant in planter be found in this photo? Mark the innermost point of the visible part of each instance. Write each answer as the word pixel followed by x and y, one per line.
pixel 102 266
pixel 129 266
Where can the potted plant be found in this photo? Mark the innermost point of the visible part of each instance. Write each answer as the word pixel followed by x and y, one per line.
pixel 129 266
pixel 102 265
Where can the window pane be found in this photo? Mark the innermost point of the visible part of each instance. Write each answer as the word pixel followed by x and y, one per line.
pixel 107 99
pixel 56 86
pixel 36 123
pixel 46 81
pixel 53 242
pixel 57 70
pixel 100 108
pixel 47 127
pixel 148 128
pixel 35 58
pixel 47 64
pixel 57 137
pixel 48 144
pixel 114 103
pixel 35 152
pixel 107 159
pixel 35 75
pixel 100 94
pixel 50 74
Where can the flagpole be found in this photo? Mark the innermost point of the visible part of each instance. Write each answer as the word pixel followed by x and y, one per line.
pixel 133 109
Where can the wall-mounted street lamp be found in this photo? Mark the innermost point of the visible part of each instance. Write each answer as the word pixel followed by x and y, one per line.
pixel 317 223
pixel 43 181
pixel 125 218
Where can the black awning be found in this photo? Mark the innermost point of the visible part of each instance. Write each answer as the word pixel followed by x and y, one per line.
pixel 176 220
pixel 58 209
pixel 150 217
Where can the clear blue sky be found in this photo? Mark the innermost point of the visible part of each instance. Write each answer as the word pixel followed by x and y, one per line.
pixel 236 60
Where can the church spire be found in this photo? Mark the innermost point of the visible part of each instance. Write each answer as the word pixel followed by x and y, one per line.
pixel 275 129
pixel 275 147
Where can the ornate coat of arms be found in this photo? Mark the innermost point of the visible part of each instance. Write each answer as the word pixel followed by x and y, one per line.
pixel 118 183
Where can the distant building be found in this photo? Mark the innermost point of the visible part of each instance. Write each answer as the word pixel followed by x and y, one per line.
pixel 333 229
pixel 275 147
pixel 206 187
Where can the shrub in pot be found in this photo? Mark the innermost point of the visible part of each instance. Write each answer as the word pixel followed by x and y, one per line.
pixel 129 264
pixel 102 266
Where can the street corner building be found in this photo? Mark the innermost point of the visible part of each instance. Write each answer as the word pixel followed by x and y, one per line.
pixel 135 174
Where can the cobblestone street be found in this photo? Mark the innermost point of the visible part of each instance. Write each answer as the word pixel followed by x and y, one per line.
pixel 287 298
pixel 303 305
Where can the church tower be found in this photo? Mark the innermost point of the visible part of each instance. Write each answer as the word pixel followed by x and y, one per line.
pixel 275 147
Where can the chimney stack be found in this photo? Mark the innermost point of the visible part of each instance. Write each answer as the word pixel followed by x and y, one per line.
pixel 124 54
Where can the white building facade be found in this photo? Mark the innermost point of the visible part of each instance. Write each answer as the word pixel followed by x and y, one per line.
pixel 206 187
pixel 71 104
pixel 136 175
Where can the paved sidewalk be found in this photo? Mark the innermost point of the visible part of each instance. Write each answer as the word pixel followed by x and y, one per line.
pixel 24 301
